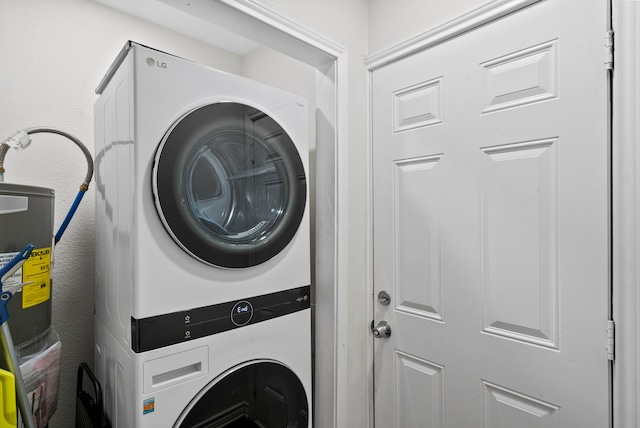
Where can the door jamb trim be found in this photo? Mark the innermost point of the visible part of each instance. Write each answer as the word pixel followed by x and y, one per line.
pixel 625 218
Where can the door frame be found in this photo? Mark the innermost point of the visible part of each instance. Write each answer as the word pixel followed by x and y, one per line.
pixel 625 176
pixel 626 220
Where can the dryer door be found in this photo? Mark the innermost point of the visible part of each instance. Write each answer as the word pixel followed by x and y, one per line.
pixel 229 185
pixel 258 394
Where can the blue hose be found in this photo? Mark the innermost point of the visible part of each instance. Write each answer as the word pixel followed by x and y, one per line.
pixel 69 216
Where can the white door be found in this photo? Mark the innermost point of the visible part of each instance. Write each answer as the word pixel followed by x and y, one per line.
pixel 491 226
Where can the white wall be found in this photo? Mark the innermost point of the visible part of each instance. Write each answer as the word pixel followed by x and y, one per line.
pixel 52 56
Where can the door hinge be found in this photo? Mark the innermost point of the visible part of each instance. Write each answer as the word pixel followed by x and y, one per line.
pixel 611 340
pixel 609 50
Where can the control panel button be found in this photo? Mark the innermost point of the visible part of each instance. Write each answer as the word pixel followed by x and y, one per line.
pixel 242 313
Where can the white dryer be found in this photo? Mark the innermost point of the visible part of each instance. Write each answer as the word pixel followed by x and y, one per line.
pixel 202 240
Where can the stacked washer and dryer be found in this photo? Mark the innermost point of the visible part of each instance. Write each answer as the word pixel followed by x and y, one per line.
pixel 202 248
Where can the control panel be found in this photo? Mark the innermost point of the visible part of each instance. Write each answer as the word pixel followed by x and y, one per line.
pixel 168 329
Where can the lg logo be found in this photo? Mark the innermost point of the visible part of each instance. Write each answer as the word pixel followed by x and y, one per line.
pixel 151 62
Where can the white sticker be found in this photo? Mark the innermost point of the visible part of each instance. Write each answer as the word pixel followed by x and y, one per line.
pixel 14 279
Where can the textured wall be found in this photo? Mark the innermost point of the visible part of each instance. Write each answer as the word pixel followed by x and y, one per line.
pixel 52 56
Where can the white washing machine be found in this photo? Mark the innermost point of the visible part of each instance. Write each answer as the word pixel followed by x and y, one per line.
pixel 202 247
pixel 258 375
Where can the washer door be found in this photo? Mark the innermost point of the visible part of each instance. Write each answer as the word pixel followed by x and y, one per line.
pixel 229 185
pixel 258 394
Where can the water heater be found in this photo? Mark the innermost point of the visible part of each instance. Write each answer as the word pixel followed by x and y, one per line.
pixel 26 217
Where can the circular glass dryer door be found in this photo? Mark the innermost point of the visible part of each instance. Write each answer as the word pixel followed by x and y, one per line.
pixel 229 185
pixel 259 394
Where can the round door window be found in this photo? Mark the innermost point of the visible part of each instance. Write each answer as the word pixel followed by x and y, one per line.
pixel 260 394
pixel 229 185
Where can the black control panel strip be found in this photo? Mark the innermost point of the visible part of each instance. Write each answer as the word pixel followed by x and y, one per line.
pixel 177 327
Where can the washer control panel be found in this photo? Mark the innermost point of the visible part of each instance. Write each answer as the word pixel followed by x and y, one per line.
pixel 169 329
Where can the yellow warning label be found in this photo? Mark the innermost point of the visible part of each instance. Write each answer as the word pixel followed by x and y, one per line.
pixel 37 269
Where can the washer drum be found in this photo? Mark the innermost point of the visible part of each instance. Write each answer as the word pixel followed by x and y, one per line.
pixel 26 217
